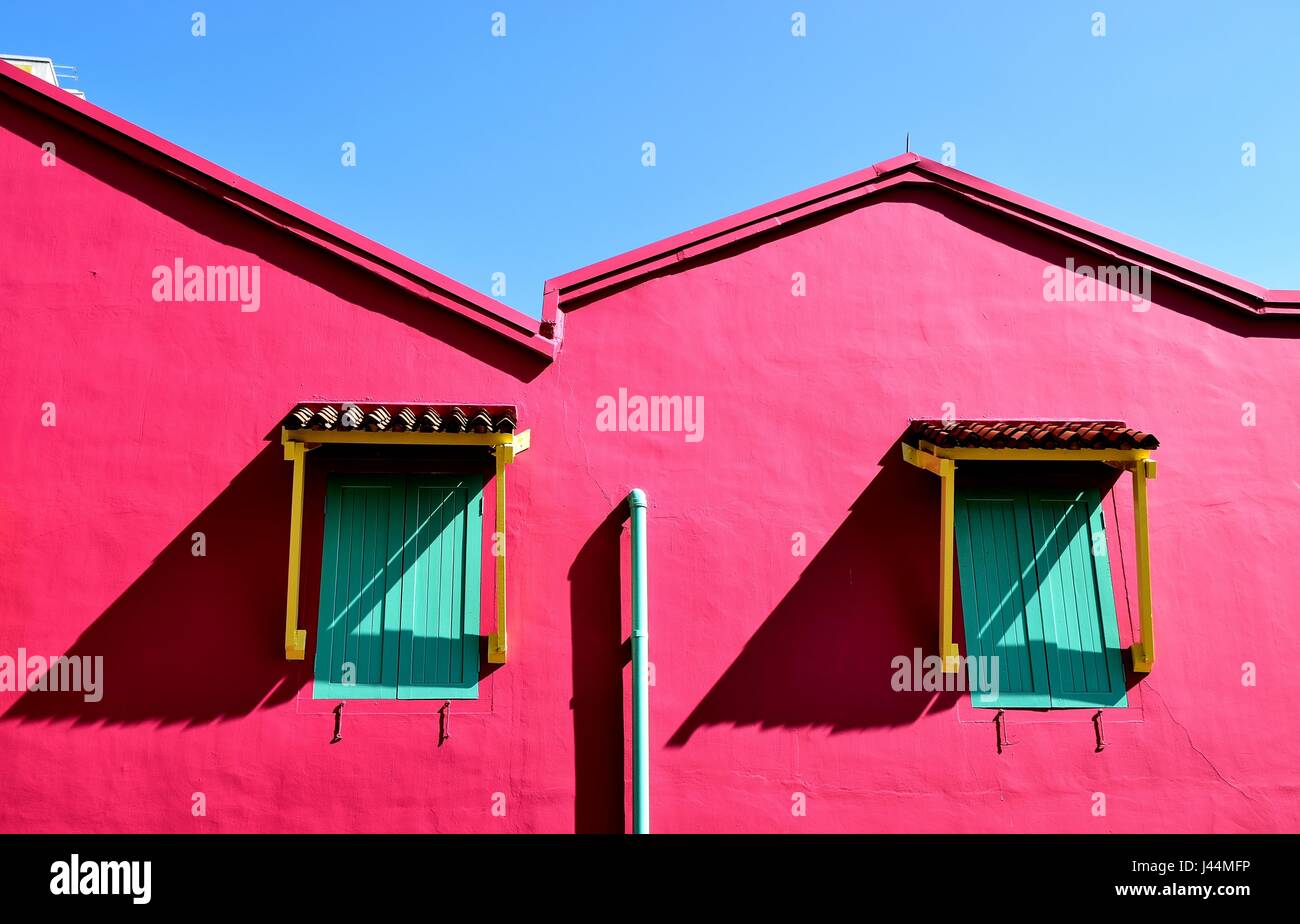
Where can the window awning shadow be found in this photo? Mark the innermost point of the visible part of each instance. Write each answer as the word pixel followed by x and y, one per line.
pixel 195 640
pixel 822 658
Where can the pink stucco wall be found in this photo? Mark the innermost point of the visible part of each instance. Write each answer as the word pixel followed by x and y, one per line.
pixel 771 670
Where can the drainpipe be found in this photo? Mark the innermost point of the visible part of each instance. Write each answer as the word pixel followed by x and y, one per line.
pixel 640 679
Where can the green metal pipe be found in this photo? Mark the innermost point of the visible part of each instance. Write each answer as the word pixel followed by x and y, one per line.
pixel 640 677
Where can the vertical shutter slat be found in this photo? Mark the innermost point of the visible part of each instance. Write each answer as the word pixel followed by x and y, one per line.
pixel 360 586
pixel 1000 605
pixel 328 630
pixel 440 601
pixel 1082 634
pixel 400 587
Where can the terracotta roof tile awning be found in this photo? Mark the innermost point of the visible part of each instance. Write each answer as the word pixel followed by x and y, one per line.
pixel 402 418
pixel 1030 434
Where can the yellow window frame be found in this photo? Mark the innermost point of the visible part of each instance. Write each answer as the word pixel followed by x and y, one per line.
pixel 943 462
pixel 297 443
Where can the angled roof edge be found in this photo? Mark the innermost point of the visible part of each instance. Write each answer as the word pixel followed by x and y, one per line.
pixel 633 265
pixel 149 149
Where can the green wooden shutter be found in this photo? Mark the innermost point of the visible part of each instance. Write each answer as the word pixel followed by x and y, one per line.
pixel 442 563
pixel 361 585
pixel 999 597
pixel 1079 625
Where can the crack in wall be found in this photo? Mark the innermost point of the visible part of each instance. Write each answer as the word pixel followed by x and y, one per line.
pixel 1190 743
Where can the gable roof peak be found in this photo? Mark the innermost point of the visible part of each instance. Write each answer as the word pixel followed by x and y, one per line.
pixel 150 150
pixel 581 285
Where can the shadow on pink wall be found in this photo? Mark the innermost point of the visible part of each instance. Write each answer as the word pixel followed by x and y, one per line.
pixel 195 640
pixel 219 226
pixel 822 658
pixel 600 654
pixel 198 640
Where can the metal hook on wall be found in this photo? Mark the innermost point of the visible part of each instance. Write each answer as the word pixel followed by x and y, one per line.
pixel 1100 732
pixel 1000 723
pixel 338 724
pixel 444 723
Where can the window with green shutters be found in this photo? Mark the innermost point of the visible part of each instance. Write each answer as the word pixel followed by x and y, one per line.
pixel 1036 594
pixel 400 584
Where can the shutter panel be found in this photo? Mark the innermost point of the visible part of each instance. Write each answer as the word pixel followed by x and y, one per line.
pixel 1078 606
pixel 361 586
pixel 999 598
pixel 442 562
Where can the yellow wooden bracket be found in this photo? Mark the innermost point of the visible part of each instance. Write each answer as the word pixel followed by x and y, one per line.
pixel 296 443
pixel 295 639
pixel 505 454
pixel 1143 652
pixel 947 647
pixel 947 472
pixel 924 459
pixel 1035 455
pixel 496 649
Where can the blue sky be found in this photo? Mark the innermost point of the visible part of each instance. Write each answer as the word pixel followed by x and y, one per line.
pixel 522 154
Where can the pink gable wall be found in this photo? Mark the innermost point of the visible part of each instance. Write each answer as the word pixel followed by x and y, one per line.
pixel 163 413
pixel 771 671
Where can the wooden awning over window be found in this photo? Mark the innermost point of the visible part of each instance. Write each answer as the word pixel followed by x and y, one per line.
pixel 311 425
pixel 939 445
pixel 348 417
pixel 1071 435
